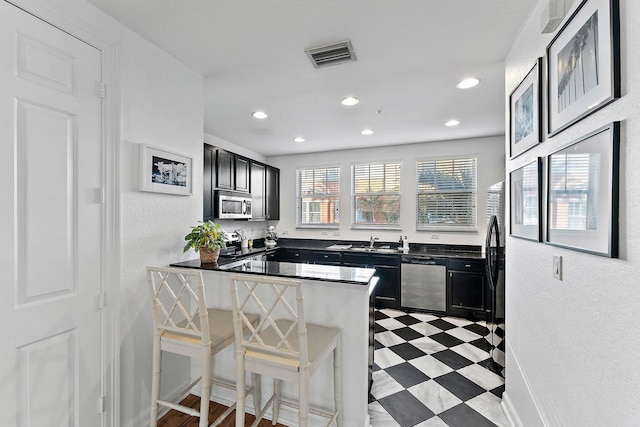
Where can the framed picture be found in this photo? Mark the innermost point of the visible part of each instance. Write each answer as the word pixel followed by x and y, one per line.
pixel 526 201
pixel 583 64
pixel 163 171
pixel 582 193
pixel 525 117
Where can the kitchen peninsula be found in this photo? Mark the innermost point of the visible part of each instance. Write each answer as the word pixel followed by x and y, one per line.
pixel 336 296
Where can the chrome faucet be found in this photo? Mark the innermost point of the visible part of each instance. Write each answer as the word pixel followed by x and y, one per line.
pixel 372 240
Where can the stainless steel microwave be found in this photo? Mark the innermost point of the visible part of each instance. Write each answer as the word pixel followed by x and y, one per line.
pixel 232 205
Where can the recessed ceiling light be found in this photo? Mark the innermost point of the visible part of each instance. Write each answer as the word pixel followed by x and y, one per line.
pixel 367 132
pixel 349 101
pixel 468 83
pixel 299 139
pixel 452 122
pixel 259 114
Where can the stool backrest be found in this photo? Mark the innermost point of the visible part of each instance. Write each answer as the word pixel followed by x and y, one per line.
pixel 275 300
pixel 178 302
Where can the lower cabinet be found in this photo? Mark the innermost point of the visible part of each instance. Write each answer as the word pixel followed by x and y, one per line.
pixel 466 284
pixel 387 293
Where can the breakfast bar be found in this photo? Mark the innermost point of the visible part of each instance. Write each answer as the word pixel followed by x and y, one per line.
pixel 334 296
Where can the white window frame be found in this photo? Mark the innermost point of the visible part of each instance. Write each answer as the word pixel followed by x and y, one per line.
pixel 379 226
pixel 299 198
pixel 472 226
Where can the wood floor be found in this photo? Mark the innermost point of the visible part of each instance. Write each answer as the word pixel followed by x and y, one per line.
pixel 178 419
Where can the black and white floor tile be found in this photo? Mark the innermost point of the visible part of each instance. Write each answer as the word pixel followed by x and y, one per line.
pixel 433 371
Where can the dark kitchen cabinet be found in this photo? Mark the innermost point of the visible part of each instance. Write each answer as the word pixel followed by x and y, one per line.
pixel 258 202
pixel 466 288
pixel 232 171
pixel 387 293
pixel 272 192
pixel 208 182
pixel 242 174
pixel 293 255
pixel 265 191
pixel 388 288
pixel 326 257
pixel 225 170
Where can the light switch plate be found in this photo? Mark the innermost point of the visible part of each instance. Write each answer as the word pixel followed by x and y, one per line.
pixel 557 267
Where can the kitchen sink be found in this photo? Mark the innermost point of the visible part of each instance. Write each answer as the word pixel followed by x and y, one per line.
pixel 376 250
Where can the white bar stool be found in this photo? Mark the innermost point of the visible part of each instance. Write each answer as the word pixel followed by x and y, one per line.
pixel 184 325
pixel 282 346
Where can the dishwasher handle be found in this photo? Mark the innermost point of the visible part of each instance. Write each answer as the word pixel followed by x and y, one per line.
pixel 423 261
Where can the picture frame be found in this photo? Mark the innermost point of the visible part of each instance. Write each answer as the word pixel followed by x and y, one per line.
pixel 525 201
pixel 583 64
pixel 525 112
pixel 582 193
pixel 163 171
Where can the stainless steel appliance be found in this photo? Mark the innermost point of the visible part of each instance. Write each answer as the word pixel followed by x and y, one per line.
pixel 423 283
pixel 494 255
pixel 232 205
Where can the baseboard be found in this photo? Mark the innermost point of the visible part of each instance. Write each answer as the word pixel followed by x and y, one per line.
pixel 176 394
pixel 509 411
pixel 517 380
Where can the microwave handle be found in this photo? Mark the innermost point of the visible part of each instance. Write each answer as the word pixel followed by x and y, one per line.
pixel 244 207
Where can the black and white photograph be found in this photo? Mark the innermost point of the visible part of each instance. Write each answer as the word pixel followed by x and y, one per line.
pixel 583 64
pixel 526 188
pixel 165 172
pixel 524 109
pixel 582 193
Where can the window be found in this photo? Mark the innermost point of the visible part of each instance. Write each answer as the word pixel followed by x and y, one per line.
pixel 318 196
pixel 446 194
pixel 376 194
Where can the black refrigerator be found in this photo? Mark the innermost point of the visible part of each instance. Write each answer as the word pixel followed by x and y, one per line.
pixel 494 256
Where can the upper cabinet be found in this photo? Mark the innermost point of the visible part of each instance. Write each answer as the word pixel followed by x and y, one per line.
pixel 272 195
pixel 258 190
pixel 232 171
pixel 208 182
pixel 265 191
pixel 224 170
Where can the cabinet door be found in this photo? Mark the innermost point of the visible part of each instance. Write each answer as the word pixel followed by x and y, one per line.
pixel 326 257
pixel 257 191
pixel 272 206
pixel 466 291
pixel 225 174
pixel 294 255
pixel 388 288
pixel 242 174
pixel 208 182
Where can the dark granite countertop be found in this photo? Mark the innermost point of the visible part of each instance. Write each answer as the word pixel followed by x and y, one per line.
pixel 472 252
pixel 329 273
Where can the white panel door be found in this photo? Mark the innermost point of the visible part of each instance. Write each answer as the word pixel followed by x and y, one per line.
pixel 50 235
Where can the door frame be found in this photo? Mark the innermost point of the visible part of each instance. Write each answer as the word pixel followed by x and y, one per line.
pixel 69 22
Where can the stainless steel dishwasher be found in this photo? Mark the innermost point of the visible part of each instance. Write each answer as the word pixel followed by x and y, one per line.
pixel 423 283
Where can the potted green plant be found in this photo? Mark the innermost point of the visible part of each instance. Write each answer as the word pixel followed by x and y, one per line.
pixel 205 238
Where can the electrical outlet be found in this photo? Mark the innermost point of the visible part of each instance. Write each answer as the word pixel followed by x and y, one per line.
pixel 435 236
pixel 557 267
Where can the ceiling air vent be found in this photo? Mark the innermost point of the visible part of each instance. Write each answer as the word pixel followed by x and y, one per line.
pixel 331 54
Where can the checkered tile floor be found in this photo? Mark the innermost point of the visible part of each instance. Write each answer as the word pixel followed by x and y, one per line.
pixel 433 371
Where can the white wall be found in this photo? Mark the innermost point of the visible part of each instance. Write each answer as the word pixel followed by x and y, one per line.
pixel 490 154
pixel 572 346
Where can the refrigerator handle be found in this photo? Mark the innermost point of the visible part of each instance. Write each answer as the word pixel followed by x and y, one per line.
pixel 492 266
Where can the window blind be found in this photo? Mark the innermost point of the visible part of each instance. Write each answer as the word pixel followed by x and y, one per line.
pixel 446 194
pixel 318 196
pixel 376 194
